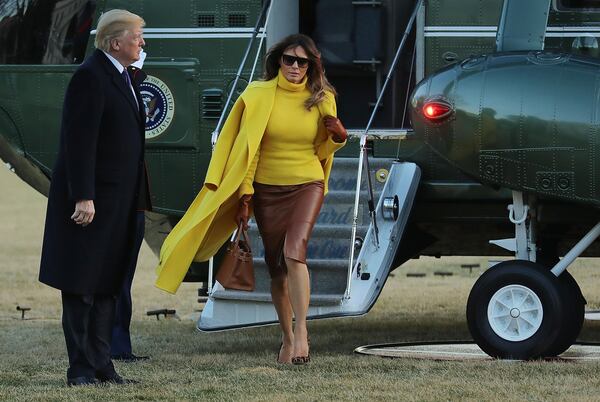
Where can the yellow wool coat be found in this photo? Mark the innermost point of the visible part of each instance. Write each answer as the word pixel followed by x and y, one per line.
pixel 210 219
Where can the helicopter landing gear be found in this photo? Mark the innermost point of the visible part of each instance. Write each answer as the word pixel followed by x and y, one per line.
pixel 522 215
pixel 514 310
pixel 521 309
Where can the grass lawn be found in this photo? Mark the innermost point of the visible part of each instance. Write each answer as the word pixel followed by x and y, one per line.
pixel 240 365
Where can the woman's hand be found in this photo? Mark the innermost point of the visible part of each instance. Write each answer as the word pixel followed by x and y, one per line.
pixel 335 127
pixel 243 213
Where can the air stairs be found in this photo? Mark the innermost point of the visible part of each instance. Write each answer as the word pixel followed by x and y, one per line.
pixel 329 247
pixel 329 251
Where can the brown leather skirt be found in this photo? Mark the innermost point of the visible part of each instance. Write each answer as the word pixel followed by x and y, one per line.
pixel 285 216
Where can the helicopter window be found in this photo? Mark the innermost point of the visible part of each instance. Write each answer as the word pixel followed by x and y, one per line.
pixel 578 5
pixel 45 31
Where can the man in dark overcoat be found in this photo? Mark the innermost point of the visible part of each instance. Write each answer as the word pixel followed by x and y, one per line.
pixel 99 184
pixel 120 347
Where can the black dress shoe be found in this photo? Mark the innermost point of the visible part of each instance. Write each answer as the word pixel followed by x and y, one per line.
pixel 129 358
pixel 75 381
pixel 115 379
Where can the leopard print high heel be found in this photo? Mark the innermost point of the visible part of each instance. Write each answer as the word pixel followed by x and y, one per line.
pixel 301 360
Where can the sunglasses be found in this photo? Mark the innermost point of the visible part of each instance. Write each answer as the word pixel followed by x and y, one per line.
pixel 290 60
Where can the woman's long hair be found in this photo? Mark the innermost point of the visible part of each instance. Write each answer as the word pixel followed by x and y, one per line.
pixel 316 82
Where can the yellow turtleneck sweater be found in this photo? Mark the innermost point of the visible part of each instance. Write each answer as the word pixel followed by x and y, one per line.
pixel 290 152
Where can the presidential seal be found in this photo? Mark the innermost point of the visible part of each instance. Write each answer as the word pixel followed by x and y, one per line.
pixel 159 105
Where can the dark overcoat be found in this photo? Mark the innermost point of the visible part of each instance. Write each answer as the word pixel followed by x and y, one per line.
pixel 100 158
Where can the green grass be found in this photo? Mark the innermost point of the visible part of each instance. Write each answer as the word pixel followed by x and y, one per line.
pixel 240 365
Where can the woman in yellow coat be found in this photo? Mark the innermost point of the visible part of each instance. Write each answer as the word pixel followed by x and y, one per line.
pixel 274 155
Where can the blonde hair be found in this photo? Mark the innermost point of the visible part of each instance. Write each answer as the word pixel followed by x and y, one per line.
pixel 114 24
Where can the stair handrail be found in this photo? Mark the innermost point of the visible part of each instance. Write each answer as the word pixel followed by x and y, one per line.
pixel 364 157
pixel 262 39
pixel 215 133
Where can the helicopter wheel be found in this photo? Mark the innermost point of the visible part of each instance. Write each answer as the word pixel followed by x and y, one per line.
pixel 515 309
pixel 573 315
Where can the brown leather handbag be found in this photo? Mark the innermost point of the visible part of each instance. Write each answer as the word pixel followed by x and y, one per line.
pixel 236 271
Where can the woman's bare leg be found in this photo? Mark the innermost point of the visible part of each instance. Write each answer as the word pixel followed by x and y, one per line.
pixel 299 292
pixel 281 300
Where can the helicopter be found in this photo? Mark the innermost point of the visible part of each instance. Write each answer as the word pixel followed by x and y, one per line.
pixel 473 132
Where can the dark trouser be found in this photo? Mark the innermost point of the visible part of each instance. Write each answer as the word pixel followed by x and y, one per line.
pixel 121 339
pixel 87 324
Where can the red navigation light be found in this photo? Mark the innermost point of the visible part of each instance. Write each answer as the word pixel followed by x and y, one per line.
pixel 436 110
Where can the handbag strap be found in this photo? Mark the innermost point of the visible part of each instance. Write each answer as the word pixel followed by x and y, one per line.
pixel 245 235
pixel 241 232
pixel 236 237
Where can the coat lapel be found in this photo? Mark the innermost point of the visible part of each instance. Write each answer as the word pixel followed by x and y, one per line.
pixel 141 110
pixel 241 140
pixel 137 77
pixel 117 80
pixel 140 103
pixel 259 106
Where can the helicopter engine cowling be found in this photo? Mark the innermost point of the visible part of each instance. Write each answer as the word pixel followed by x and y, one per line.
pixel 528 121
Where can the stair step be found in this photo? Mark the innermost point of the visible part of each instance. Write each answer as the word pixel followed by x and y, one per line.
pixel 327 276
pixel 351 164
pixel 324 229
pixel 265 297
pixel 327 242
pixel 343 195
pixel 316 264
pixel 343 175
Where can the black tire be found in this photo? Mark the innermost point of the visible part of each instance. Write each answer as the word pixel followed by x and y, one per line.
pixel 574 313
pixel 538 280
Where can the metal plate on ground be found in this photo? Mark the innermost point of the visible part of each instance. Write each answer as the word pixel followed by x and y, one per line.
pixel 592 315
pixel 464 351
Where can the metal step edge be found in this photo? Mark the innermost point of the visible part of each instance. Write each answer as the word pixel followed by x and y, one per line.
pixel 343 195
pixel 315 299
pixel 341 162
pixel 330 229
pixel 381 133
pixel 312 264
pixel 322 228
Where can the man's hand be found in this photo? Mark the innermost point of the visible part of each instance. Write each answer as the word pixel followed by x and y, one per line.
pixel 335 128
pixel 243 213
pixel 84 212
